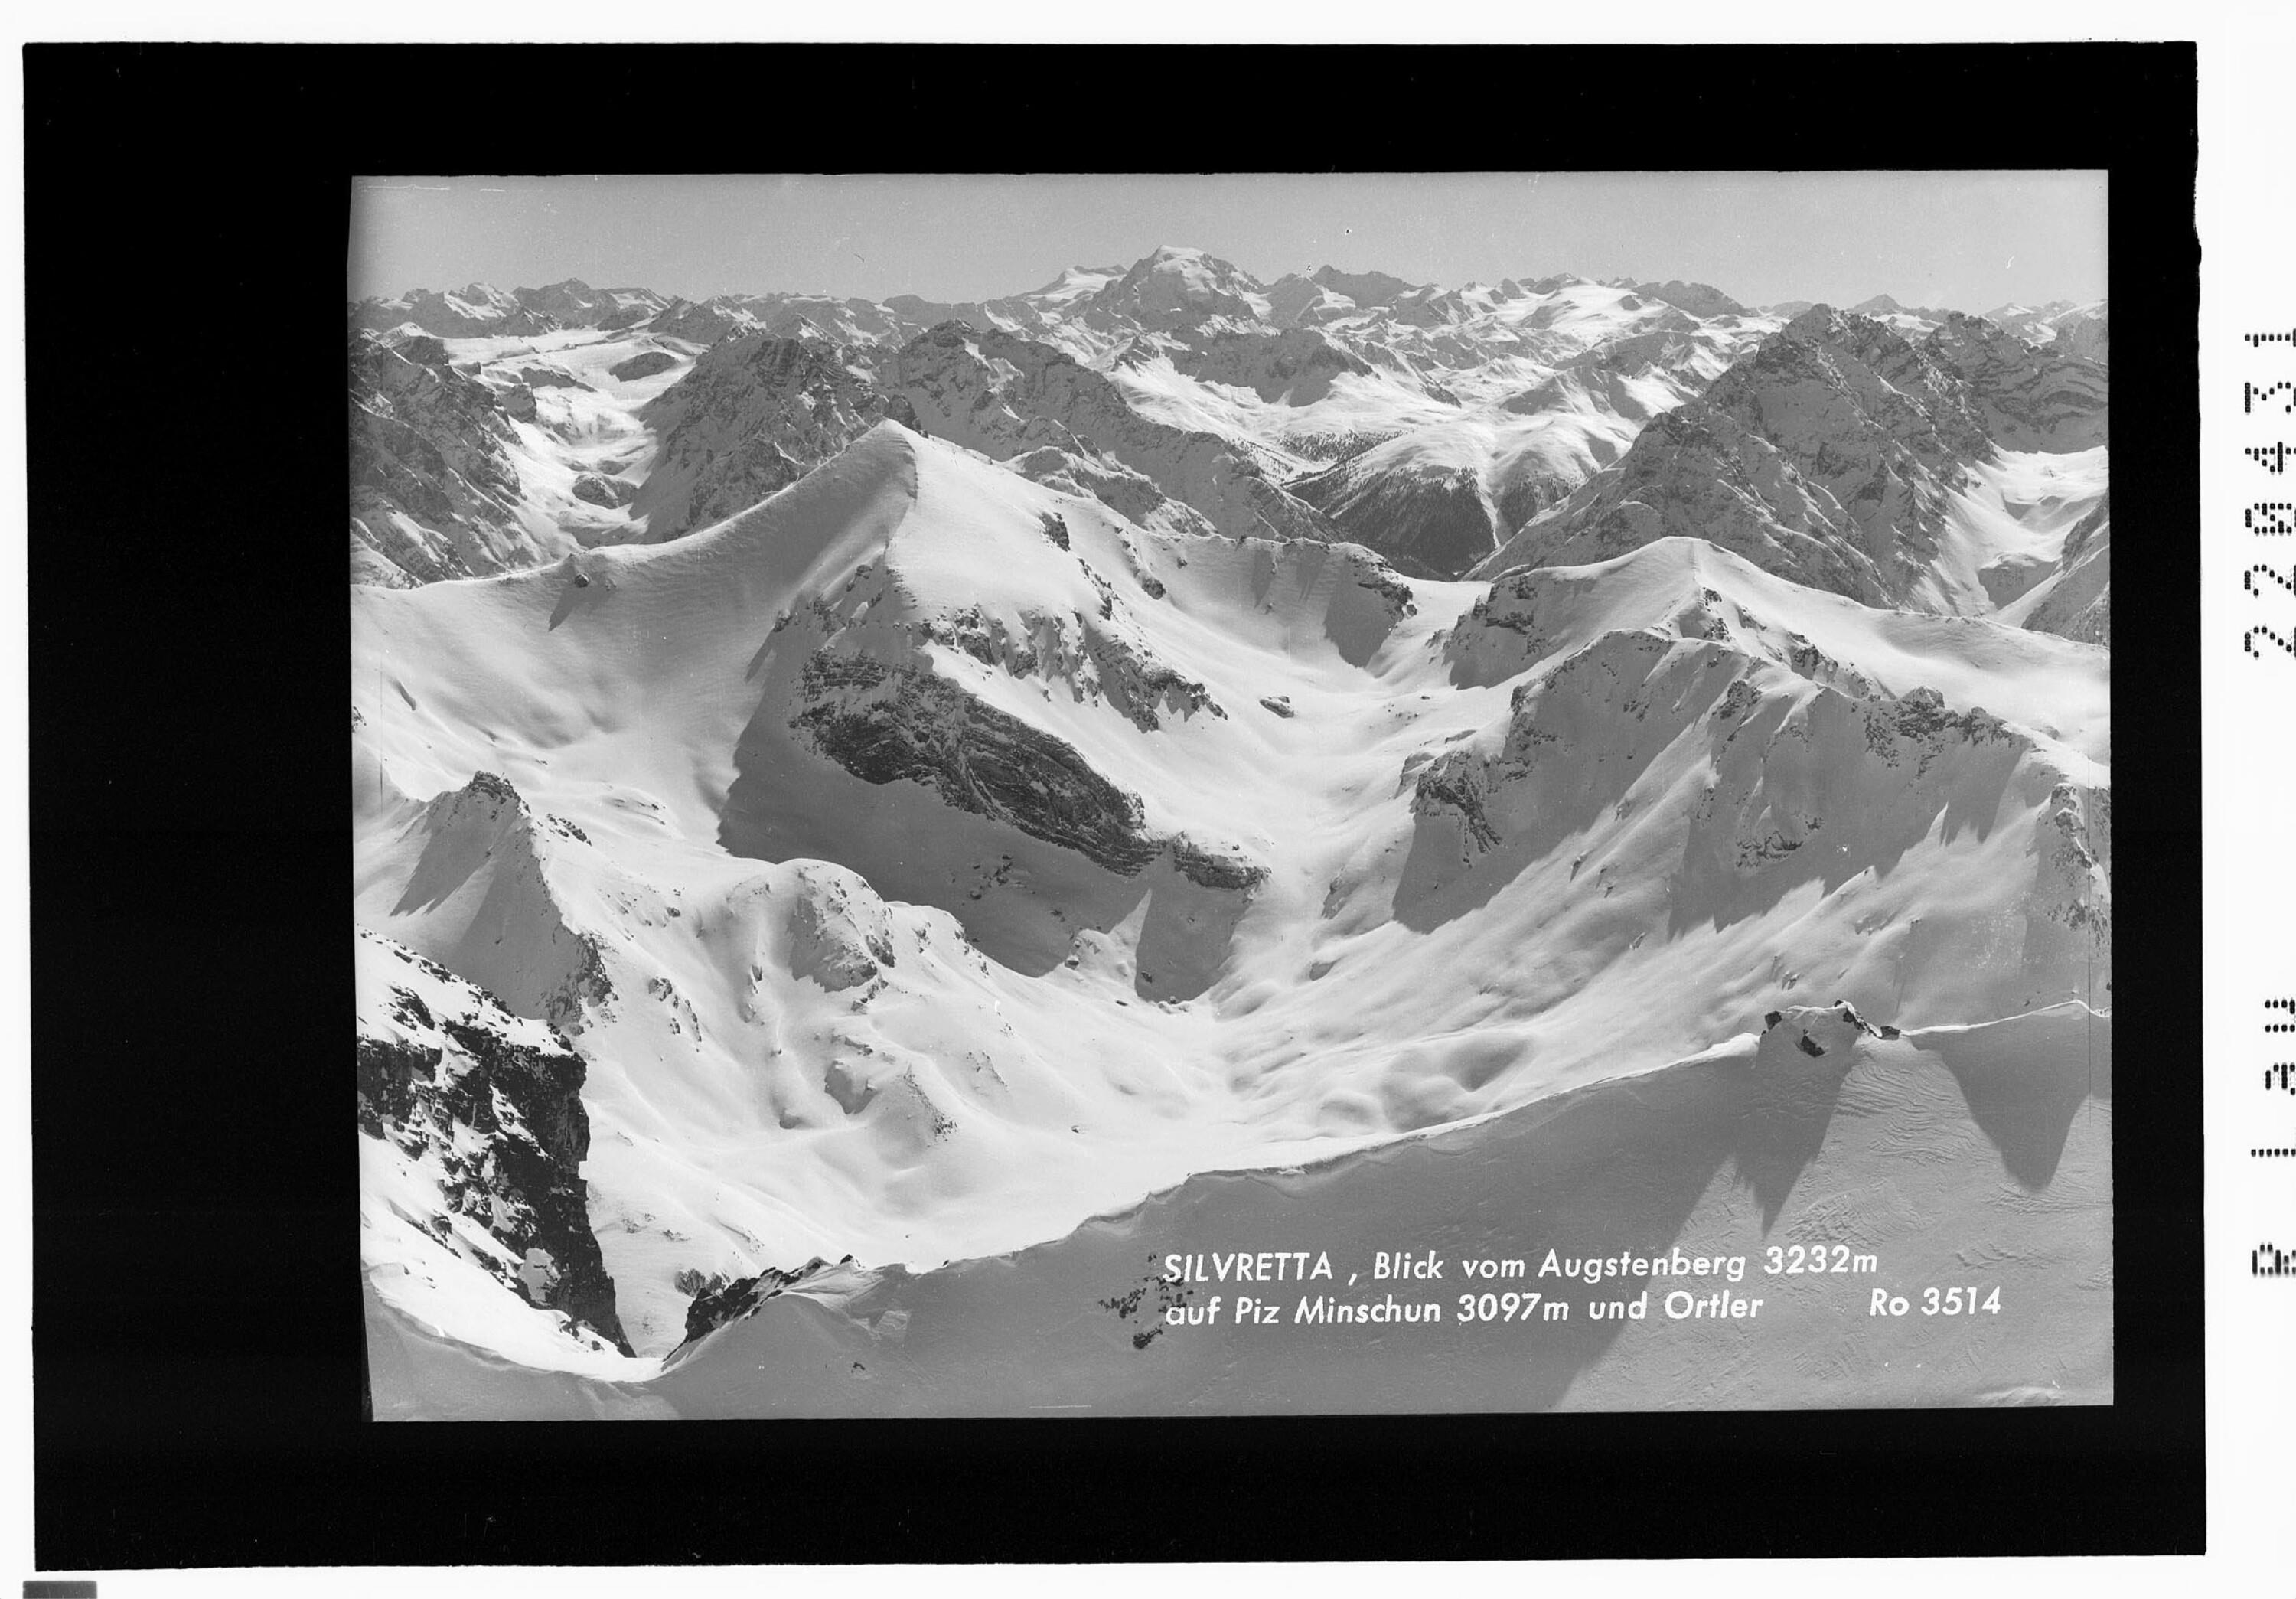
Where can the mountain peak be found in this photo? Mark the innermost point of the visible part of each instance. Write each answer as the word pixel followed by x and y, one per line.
pixel 1176 284
pixel 1366 289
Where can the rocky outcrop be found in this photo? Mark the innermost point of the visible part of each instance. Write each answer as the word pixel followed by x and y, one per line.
pixel 485 1110
pixel 2078 601
pixel 603 491
pixel 1226 868
pixel 2072 883
pixel 717 1302
pixel 646 363
pixel 887 725
pixel 841 933
pixel 755 414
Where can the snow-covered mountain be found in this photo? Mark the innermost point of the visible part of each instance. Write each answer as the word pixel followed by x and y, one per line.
pixel 1844 456
pixel 890 797
pixel 1425 422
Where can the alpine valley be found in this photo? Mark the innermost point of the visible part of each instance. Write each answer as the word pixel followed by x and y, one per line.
pixel 878 823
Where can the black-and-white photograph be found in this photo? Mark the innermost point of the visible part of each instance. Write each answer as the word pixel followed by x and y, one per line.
pixel 1233 794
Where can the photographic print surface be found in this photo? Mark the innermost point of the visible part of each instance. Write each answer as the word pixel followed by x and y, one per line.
pixel 1520 822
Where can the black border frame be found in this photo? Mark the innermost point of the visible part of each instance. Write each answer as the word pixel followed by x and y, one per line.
pixel 199 1342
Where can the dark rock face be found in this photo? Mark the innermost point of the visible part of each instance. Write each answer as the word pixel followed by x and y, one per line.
pixel 907 723
pixel 2080 606
pixel 549 377
pixel 1213 869
pixel 496 1101
pixel 426 442
pixel 2029 398
pixel 1456 784
pixel 1428 525
pixel 643 365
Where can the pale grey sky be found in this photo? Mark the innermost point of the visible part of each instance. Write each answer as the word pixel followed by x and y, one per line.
pixel 1966 239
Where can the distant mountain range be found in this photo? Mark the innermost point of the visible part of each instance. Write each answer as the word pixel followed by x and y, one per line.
pixel 1429 424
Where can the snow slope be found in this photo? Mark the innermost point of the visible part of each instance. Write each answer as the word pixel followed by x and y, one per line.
pixel 929 859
